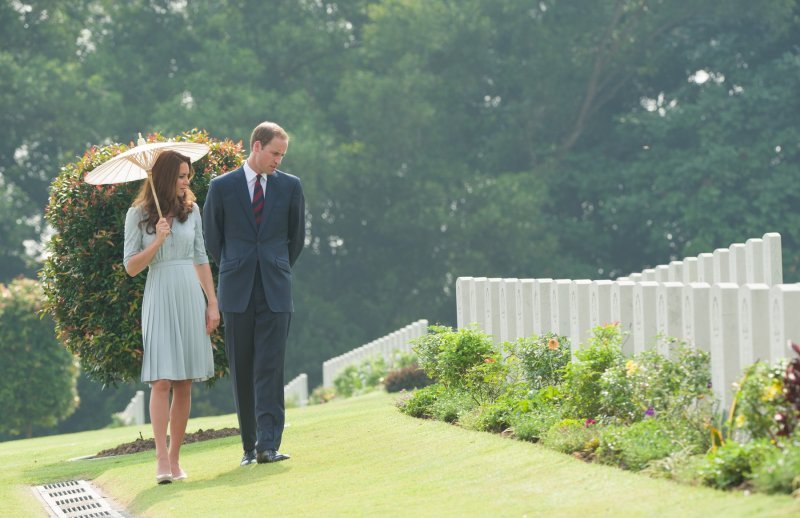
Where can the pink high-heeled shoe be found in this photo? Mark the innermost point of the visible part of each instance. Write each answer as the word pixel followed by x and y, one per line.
pixel 181 476
pixel 164 478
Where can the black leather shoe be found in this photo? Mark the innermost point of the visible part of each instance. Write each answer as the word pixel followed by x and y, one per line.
pixel 270 456
pixel 249 458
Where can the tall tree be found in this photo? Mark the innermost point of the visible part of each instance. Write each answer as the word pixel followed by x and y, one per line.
pixel 46 107
pixel 706 163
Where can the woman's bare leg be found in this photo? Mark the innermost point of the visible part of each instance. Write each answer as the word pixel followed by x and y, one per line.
pixel 159 418
pixel 178 417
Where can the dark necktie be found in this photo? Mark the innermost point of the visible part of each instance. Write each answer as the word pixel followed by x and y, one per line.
pixel 258 200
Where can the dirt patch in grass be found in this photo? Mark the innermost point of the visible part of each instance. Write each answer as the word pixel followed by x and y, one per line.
pixel 142 444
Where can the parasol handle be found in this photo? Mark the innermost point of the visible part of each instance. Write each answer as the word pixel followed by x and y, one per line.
pixel 155 197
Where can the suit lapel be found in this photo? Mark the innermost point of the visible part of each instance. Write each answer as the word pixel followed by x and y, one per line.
pixel 243 195
pixel 271 194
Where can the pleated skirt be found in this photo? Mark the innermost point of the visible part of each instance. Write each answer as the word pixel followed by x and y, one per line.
pixel 176 346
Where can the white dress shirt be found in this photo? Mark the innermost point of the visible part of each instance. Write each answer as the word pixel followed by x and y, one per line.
pixel 251 176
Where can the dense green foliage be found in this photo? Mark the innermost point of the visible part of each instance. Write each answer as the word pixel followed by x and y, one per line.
pixel 406 378
pixel 649 412
pixel 37 375
pixel 95 303
pixel 434 138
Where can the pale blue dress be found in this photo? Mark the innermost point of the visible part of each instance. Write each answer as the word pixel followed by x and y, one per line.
pixel 176 346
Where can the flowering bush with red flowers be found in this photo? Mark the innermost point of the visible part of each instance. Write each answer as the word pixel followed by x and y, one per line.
pixel 96 306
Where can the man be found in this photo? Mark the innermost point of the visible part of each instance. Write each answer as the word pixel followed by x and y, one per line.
pixel 254 225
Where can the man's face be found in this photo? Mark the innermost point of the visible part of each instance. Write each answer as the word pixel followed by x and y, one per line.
pixel 269 157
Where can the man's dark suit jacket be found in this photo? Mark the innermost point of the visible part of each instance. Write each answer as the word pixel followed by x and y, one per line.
pixel 236 245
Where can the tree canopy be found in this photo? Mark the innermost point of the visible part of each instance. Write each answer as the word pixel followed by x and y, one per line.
pixel 434 138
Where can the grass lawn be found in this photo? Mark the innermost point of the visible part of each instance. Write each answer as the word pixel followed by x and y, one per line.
pixel 361 457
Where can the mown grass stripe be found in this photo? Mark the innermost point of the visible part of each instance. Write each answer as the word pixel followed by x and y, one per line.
pixel 361 457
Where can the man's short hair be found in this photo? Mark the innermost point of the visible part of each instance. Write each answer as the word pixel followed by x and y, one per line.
pixel 265 132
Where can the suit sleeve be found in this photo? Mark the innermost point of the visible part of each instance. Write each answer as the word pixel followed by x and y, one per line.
pixel 297 224
pixel 213 221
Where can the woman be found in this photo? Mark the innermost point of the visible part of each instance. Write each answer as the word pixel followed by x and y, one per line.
pixel 176 320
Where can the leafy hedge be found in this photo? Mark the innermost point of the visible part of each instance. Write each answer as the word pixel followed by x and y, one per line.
pixel 37 375
pixel 649 412
pixel 95 304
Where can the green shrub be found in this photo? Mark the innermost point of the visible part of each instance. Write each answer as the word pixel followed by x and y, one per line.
pixel 452 404
pixel 348 382
pixel 38 376
pixel 487 380
pixel 542 359
pixel 321 395
pixel 582 377
pixel 681 466
pixel 779 472
pixel 531 426
pixel 427 348
pixel 730 465
pixel 446 355
pixel 652 384
pixel 406 378
pixel 361 378
pixel 96 306
pixel 492 417
pixel 572 435
pixel 403 359
pixel 633 447
pixel 422 401
pixel 759 399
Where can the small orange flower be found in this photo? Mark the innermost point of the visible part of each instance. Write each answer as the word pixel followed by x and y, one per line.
pixel 488 360
pixel 552 344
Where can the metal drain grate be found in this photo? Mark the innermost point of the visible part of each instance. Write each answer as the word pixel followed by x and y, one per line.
pixel 75 499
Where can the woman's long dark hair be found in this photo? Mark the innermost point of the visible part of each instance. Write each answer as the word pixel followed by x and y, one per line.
pixel 165 179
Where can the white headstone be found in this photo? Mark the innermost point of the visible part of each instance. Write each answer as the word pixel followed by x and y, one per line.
pixel 648 275
pixel 705 268
pixel 755 260
pixel 634 277
pixel 524 296
pixel 722 265
pixel 542 306
pixel 696 315
pixel 463 304
pixel 600 302
pixel 478 302
pixel 644 315
pixel 580 324
pixel 783 315
pixel 509 303
pixel 494 319
pixel 622 311
pixel 675 271
pixel 559 306
pixel 669 314
pixel 773 263
pixel 738 263
pixel 662 273
pixel 725 368
pixel 753 324
pixel 689 270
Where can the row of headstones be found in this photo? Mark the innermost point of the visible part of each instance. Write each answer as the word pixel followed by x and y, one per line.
pixel 385 346
pixel 736 324
pixel 758 260
pixel 297 390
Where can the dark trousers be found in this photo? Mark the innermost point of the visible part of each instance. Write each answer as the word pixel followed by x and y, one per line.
pixel 255 342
